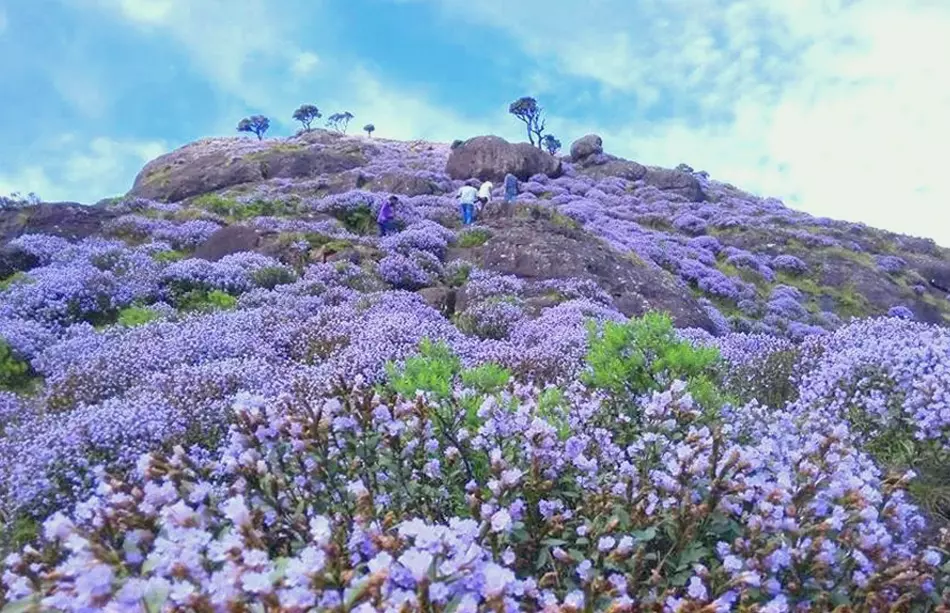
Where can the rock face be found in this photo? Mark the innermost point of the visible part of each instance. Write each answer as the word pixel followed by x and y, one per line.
pixel 15 260
pixel 213 164
pixel 586 146
pixel 673 181
pixel 408 185
pixel 66 219
pixel 541 249
pixel 587 153
pixel 228 240
pixel 490 158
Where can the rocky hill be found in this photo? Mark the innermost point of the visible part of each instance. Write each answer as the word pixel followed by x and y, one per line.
pixel 224 391
pixel 712 255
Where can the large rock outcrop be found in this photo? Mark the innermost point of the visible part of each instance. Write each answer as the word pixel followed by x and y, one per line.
pixel 586 146
pixel 228 240
pixel 213 164
pixel 66 219
pixel 538 249
pixel 587 153
pixel 490 158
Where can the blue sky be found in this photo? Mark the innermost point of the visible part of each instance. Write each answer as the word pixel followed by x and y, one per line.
pixel 839 107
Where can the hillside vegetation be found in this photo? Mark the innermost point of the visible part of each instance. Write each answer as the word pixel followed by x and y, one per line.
pixel 641 390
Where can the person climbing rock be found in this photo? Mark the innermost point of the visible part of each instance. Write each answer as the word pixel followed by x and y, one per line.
pixel 467 196
pixel 484 197
pixel 511 192
pixel 387 215
pixel 484 193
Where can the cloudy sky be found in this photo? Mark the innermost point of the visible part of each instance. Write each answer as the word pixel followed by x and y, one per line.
pixel 839 107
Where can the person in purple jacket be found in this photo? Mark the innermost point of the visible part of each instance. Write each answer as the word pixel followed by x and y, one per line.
pixel 387 215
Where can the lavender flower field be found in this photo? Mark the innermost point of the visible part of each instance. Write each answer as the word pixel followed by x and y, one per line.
pixel 238 397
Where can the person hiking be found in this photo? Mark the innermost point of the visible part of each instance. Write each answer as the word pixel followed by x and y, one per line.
pixel 511 191
pixel 387 215
pixel 467 196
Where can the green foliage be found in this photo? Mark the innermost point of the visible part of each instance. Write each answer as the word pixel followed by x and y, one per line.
pixel 217 204
pixel 203 300
pixel 473 237
pixel 359 220
pixel 132 316
pixel 238 211
pixel 644 355
pixel 169 256
pixel 14 372
pixel 17 532
pixel 552 407
pixel 459 276
pixel 17 277
pixel 486 378
pixel 768 381
pixel 272 276
pixel 432 370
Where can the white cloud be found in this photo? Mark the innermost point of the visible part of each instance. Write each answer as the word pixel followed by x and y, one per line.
pixel 304 63
pixel 837 106
pixel 225 39
pixel 100 169
pixel 3 20
pixel 148 11
pixel 403 112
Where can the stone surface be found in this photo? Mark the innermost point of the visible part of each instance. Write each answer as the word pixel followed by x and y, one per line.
pixel 228 240
pixel 206 166
pixel 66 219
pixel 586 146
pixel 13 261
pixel 407 185
pixel 490 158
pixel 672 181
pixel 537 249
pixel 441 298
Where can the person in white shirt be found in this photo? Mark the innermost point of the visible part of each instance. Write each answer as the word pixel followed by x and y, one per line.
pixel 467 196
pixel 484 192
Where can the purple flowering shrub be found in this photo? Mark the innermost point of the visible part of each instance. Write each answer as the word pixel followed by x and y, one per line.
pixel 492 318
pixel 891 263
pixel 690 224
pixel 510 496
pixel 404 272
pixel 901 312
pixel 790 264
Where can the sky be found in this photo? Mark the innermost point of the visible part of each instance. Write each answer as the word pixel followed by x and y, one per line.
pixel 840 108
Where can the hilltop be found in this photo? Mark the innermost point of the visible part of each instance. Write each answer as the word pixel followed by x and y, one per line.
pixel 642 390
pixel 670 239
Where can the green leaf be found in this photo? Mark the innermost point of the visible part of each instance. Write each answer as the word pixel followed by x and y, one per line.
pixel 644 536
pixel 680 579
pixel 20 605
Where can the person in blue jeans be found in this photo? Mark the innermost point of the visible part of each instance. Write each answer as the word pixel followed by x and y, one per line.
pixel 387 216
pixel 467 196
pixel 511 192
pixel 511 187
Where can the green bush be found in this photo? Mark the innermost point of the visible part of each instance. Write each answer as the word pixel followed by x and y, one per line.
pixel 486 378
pixel 473 237
pixel 17 277
pixel 433 371
pixel 135 316
pixel 14 372
pixel 272 276
pixel 644 355
pixel 169 256
pixel 205 301
pixel 360 220
pixel 457 275
pixel 217 204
